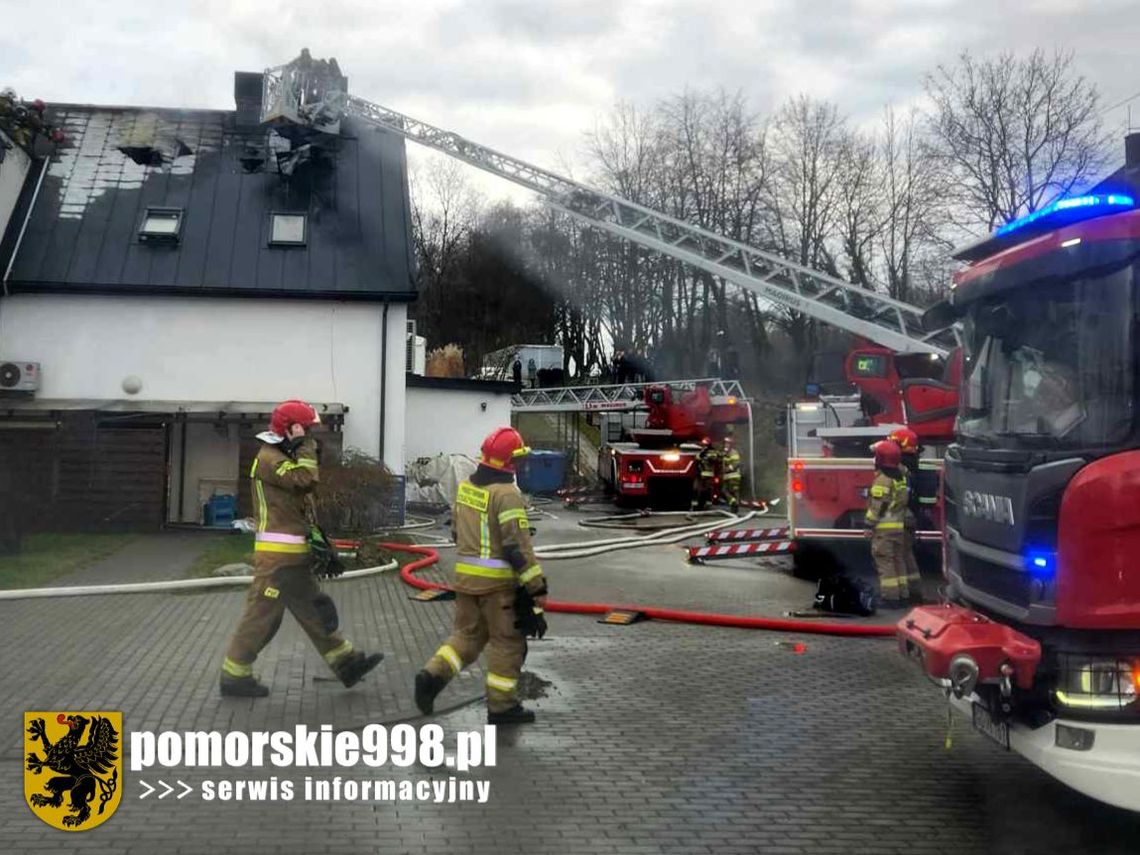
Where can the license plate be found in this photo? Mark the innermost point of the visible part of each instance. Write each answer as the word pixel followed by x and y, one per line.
pixel 984 723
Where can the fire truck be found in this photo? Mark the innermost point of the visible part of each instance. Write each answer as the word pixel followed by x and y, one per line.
pixel 829 438
pixel 653 459
pixel 1039 646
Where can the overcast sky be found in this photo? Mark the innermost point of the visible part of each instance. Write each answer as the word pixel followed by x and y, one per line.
pixel 529 77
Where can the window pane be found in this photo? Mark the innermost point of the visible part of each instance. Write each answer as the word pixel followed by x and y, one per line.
pixel 161 224
pixel 288 228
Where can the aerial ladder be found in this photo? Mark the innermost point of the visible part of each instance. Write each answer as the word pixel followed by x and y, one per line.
pixel 869 315
pixel 307 92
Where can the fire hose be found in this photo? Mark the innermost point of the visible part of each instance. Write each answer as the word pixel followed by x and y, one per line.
pixel 558 551
pixel 431 556
pixel 551 552
pixel 167 586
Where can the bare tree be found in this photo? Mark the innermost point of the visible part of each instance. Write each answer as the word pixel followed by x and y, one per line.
pixel 914 199
pixel 802 200
pixel 445 209
pixel 1014 134
pixel 861 206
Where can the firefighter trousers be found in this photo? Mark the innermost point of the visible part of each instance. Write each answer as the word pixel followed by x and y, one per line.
pixel 887 549
pixel 485 620
pixel 913 576
pixel 730 489
pixel 275 588
pixel 702 493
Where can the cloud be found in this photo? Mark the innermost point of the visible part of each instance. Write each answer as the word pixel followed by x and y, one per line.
pixel 529 78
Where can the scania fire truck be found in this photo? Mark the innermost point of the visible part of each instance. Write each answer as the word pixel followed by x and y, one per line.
pixel 1040 645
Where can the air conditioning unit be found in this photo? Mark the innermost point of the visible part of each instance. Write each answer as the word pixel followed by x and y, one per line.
pixel 415 355
pixel 19 376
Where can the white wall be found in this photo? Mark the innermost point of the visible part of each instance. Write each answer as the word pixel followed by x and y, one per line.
pixel 445 421
pixel 216 349
pixel 12 173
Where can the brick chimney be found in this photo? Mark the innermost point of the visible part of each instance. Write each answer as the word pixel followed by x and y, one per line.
pixel 247 97
pixel 1132 149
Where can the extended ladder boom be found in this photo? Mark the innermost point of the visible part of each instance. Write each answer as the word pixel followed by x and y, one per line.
pixel 875 317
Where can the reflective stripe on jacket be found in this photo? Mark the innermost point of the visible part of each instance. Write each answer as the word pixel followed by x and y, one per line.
pixel 490 524
pixel 731 466
pixel 886 503
pixel 281 486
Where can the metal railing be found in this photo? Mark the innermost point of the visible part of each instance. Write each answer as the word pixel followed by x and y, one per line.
pixel 619 396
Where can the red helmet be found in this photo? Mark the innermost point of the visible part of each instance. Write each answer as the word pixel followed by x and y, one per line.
pixel 887 453
pixel 289 413
pixel 501 448
pixel 905 438
pixel 38 105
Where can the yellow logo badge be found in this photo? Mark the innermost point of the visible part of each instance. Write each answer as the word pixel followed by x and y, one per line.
pixel 73 767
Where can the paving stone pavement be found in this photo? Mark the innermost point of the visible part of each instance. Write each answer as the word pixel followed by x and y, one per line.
pixel 652 738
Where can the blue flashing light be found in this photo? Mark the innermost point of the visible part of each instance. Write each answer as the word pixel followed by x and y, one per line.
pixel 1082 207
pixel 1041 563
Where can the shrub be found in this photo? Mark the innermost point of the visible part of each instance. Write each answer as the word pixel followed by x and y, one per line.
pixel 357 495
pixel 446 361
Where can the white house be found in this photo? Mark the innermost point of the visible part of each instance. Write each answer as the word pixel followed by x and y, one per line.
pixel 169 276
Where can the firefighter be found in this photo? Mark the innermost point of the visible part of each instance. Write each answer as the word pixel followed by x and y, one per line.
pixel 730 474
pixel 704 484
pixel 884 523
pixel 907 441
pixel 495 559
pixel 284 474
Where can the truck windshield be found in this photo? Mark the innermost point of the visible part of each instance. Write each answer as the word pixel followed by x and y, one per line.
pixel 1051 364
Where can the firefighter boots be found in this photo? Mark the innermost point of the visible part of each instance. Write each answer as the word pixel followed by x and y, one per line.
pixel 518 714
pixel 427 687
pixel 351 667
pixel 242 687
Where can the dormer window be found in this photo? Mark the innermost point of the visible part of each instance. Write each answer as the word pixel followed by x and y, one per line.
pixel 161 225
pixel 287 229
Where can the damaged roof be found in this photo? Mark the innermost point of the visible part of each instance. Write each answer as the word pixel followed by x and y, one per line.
pixel 226 179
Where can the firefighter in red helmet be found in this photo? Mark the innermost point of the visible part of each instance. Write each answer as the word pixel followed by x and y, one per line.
pixel 500 588
pixel 907 441
pixel 284 474
pixel 884 523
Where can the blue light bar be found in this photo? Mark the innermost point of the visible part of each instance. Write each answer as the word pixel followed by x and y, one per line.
pixel 1082 207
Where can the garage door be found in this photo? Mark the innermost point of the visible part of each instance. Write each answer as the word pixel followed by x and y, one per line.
pixel 90 474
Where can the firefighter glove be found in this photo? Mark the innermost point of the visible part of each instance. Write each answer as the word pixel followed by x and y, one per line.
pixel 530 619
pixel 326 563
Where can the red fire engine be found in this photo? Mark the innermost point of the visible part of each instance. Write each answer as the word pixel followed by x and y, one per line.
pixel 830 468
pixel 656 462
pixel 1040 646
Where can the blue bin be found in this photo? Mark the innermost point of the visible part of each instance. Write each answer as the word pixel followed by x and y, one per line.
pixel 220 511
pixel 542 472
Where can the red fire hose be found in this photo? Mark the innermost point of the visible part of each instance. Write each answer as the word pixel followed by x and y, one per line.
pixel 431 556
